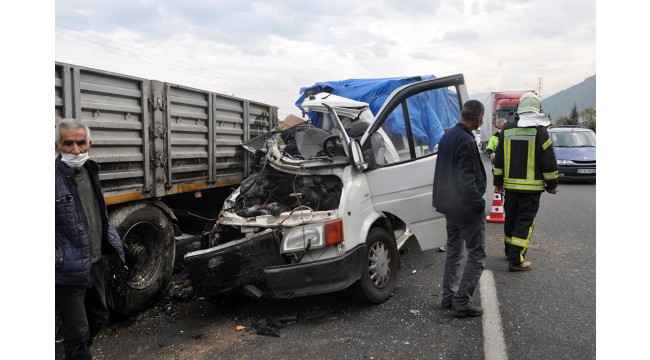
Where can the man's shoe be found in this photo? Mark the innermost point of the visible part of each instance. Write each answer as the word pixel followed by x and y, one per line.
pixel 524 266
pixel 467 310
pixel 445 305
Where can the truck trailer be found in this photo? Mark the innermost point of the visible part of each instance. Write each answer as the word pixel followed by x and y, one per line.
pixel 169 155
pixel 499 104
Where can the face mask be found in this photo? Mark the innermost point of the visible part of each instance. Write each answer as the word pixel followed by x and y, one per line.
pixel 74 161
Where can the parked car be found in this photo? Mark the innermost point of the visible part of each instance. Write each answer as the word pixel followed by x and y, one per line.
pixel 575 151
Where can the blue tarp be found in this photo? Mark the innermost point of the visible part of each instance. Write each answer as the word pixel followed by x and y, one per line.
pixel 431 112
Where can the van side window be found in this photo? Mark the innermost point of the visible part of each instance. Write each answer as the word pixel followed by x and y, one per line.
pixel 414 127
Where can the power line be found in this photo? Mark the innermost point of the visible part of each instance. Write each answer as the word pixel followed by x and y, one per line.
pixel 138 54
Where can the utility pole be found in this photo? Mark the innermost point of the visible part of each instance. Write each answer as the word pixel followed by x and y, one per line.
pixel 540 86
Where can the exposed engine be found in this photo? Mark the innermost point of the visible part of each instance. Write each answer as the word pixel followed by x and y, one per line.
pixel 271 192
pixel 274 199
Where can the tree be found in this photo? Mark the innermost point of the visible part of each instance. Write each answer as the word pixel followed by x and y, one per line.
pixel 574 116
pixel 589 116
pixel 562 120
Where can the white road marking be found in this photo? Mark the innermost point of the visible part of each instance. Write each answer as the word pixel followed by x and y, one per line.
pixel 494 346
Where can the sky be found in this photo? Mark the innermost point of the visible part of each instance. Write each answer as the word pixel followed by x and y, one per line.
pixel 266 51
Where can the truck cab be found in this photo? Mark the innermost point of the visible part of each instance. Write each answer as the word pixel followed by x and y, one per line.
pixel 331 204
pixel 499 104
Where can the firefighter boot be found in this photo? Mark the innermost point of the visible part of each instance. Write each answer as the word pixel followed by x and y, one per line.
pixel 524 266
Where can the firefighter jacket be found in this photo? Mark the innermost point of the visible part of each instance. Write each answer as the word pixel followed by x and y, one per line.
pixel 493 143
pixel 525 159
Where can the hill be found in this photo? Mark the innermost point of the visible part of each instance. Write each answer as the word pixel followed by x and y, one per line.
pixel 583 95
pixel 560 103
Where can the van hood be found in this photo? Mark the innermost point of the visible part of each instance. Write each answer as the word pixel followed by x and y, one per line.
pixel 576 153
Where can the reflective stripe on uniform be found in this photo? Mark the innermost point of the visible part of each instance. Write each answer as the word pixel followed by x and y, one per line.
pixel 523 184
pixel 497 171
pixel 524 242
pixel 507 239
pixel 506 157
pixel 530 164
pixel 547 144
pixel 524 133
pixel 550 175
pixel 519 242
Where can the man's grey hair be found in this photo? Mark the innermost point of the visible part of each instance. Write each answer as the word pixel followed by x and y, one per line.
pixel 71 125
pixel 501 121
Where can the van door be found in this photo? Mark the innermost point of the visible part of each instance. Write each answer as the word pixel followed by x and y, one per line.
pixel 411 121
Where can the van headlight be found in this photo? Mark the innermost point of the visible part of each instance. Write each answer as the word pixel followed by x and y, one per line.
pixel 316 235
pixel 297 238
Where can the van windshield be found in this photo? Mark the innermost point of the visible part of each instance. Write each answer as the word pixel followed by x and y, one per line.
pixel 574 139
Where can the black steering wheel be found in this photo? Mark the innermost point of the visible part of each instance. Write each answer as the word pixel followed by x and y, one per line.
pixel 331 145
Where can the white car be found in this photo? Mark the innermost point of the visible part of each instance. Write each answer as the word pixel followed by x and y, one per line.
pixel 331 206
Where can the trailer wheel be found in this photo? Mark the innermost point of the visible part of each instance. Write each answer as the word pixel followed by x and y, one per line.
pixel 379 276
pixel 148 238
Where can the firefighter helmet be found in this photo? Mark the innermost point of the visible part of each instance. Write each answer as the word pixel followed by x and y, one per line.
pixel 529 102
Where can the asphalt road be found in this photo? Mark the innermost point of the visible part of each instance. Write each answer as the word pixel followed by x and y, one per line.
pixel 547 313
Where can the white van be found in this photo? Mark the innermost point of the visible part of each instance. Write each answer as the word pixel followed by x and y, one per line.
pixel 331 206
pixel 477 138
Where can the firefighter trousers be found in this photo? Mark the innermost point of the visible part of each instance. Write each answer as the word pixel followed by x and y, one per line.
pixel 520 209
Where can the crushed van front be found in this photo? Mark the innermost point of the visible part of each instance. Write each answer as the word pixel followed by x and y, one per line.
pixel 280 233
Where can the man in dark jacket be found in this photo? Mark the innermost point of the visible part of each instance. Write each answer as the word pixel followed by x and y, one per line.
pixel 458 187
pixel 82 234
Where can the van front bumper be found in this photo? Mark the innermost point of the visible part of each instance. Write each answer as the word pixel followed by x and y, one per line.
pixel 255 266
pixel 318 277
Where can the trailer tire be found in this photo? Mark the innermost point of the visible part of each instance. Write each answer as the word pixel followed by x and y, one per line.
pixel 148 238
pixel 379 276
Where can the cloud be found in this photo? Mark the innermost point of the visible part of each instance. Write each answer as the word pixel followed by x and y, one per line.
pixel 423 55
pixel 460 37
pixel 267 50
pixel 493 6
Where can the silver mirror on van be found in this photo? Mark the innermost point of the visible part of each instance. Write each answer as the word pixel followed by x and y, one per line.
pixel 356 155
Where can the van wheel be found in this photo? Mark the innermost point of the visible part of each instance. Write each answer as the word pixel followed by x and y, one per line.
pixel 379 276
pixel 148 238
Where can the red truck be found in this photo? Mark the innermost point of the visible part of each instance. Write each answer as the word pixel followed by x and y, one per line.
pixel 499 104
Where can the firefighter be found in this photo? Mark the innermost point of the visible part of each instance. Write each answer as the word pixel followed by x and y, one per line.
pixel 524 167
pixel 494 139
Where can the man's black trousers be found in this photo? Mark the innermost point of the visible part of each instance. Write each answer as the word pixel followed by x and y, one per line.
pixel 83 313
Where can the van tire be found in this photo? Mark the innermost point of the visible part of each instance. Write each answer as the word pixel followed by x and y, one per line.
pixel 379 276
pixel 148 237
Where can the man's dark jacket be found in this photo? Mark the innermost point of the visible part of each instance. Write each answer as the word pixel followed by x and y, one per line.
pixel 459 181
pixel 73 245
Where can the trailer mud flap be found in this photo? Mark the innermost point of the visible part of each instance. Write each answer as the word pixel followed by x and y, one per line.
pixel 232 265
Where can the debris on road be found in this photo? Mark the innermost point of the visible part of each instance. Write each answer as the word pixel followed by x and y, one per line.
pixel 271 325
